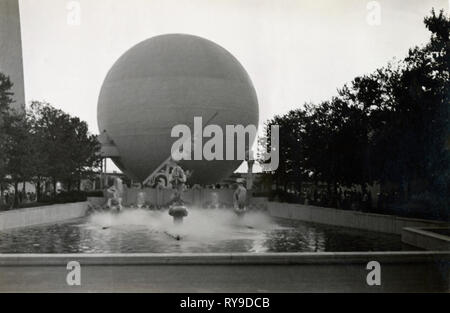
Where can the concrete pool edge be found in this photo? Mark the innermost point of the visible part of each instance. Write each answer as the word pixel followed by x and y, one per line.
pixel 425 271
pixel 389 224
pixel 402 271
pixel 42 215
pixel 425 238
pixel 226 258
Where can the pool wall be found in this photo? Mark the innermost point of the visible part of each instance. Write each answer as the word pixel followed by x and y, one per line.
pixel 426 271
pixel 42 215
pixel 277 272
pixel 193 196
pixel 426 238
pixel 368 221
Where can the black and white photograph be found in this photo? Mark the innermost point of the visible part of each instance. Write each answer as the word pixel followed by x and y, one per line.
pixel 224 151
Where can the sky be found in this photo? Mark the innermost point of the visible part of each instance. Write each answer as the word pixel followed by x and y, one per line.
pixel 295 51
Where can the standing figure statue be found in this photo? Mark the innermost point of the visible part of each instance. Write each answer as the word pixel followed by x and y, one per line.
pixel 116 192
pixel 214 201
pixel 140 201
pixel 240 198
pixel 178 181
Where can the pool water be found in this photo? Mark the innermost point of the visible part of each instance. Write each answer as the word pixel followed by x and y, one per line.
pixel 140 231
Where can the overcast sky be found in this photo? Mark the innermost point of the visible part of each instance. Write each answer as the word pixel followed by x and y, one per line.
pixel 295 51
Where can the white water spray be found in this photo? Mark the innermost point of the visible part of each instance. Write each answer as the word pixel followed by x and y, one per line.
pixel 201 226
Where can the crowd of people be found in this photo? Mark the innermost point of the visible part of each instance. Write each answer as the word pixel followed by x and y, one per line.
pixel 351 199
pixel 22 198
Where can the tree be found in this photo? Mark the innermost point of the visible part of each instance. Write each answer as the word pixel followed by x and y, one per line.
pixel 5 102
pixel 20 163
pixel 45 143
pixel 66 150
pixel 291 167
pixel 423 100
pixel 411 142
pixel 388 126
pixel 84 153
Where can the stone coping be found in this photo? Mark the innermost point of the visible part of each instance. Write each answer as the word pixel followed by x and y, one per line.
pixel 428 231
pixel 426 238
pixel 41 215
pixel 408 219
pixel 34 208
pixel 226 258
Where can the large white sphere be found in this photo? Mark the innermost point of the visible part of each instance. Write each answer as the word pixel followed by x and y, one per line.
pixel 166 81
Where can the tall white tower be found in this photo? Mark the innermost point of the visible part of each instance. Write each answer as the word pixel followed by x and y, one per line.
pixel 11 62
